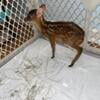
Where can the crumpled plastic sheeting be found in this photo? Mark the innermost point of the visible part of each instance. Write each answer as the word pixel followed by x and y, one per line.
pixel 33 75
pixel 91 4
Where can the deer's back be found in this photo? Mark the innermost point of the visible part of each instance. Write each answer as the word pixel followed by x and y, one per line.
pixel 68 31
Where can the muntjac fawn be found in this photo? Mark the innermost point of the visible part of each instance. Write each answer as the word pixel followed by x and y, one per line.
pixel 68 32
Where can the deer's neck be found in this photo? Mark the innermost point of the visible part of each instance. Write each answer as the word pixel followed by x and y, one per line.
pixel 40 23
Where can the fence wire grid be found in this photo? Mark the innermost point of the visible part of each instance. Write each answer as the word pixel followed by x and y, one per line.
pixel 14 32
pixel 74 10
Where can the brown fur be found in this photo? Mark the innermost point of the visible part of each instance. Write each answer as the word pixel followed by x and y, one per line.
pixel 68 32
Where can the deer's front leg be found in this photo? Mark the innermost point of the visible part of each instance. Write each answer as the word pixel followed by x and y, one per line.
pixel 52 39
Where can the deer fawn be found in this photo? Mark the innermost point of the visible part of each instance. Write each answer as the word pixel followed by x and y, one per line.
pixel 68 32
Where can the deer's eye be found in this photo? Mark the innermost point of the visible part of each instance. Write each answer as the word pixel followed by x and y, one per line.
pixel 30 16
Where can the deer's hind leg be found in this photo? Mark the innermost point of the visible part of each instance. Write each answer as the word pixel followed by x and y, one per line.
pixel 79 52
pixel 52 39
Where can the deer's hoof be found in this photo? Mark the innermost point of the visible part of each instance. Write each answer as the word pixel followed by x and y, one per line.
pixel 52 57
pixel 71 65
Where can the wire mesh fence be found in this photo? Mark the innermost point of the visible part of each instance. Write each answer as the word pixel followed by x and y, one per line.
pixel 74 10
pixel 13 30
pixel 66 10
pixel 94 29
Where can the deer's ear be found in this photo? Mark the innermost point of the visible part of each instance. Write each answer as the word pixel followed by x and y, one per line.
pixel 43 6
pixel 39 12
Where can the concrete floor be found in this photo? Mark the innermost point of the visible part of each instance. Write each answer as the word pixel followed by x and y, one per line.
pixel 32 75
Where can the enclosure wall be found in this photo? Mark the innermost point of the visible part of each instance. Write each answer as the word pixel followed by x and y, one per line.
pixel 14 32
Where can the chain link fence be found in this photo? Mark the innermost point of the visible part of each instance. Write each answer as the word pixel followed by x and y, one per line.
pixel 94 31
pixel 74 10
pixel 14 32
